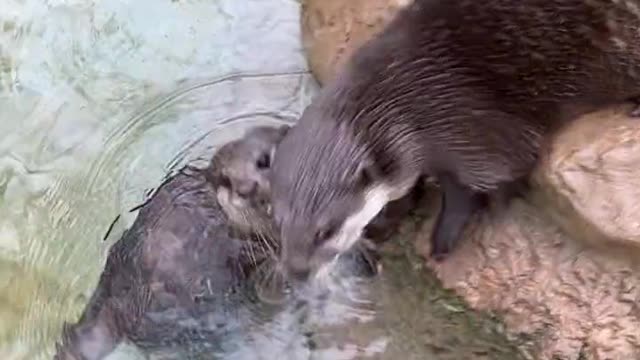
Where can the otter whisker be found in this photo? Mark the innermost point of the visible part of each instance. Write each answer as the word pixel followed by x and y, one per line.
pixel 266 243
pixel 252 256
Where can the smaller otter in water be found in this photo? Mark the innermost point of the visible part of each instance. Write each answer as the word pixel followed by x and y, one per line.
pixel 463 90
pixel 183 263
pixel 240 171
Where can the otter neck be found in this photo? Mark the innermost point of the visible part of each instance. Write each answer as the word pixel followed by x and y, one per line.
pixel 382 119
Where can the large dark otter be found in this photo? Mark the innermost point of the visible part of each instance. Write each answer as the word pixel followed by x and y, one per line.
pixel 184 262
pixel 462 90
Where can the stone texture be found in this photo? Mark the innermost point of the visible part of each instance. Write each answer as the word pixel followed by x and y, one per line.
pixel 562 267
pixel 575 299
pixel 590 179
pixel 332 29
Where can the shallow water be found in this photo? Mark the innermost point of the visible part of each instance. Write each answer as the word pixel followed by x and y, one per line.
pixel 98 101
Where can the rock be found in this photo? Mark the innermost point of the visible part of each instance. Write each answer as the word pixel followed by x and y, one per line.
pixel 575 299
pixel 559 267
pixel 332 29
pixel 589 181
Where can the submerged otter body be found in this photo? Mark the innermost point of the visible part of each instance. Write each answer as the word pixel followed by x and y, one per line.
pixel 179 274
pixel 465 91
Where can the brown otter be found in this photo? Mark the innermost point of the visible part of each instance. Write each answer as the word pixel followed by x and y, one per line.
pixel 183 263
pixel 462 90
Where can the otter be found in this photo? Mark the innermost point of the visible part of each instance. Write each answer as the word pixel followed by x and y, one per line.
pixel 463 91
pixel 186 258
pixel 241 171
pixel 191 255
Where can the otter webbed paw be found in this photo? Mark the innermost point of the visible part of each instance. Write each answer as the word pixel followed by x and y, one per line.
pixel 458 205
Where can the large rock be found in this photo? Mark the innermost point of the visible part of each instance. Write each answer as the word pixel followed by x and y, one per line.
pixel 590 178
pixel 562 267
pixel 575 300
pixel 332 29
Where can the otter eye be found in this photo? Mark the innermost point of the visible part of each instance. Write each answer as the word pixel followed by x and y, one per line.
pixel 324 234
pixel 264 161
pixel 365 178
pixel 225 181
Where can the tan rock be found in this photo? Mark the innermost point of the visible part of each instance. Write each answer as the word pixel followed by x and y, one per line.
pixel 332 29
pixel 575 300
pixel 590 178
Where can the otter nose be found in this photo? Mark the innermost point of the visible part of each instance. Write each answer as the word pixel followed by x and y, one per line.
pixel 246 188
pixel 297 269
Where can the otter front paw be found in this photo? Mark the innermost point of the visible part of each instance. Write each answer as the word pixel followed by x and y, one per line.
pixel 458 205
pixel 443 241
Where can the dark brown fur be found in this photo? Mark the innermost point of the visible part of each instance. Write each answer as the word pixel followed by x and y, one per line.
pixel 463 90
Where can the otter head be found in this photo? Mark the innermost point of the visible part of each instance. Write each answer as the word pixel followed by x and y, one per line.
pixel 327 186
pixel 240 172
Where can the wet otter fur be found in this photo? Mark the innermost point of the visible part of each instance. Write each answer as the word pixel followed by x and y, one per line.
pixel 462 90
pixel 178 273
pixel 240 170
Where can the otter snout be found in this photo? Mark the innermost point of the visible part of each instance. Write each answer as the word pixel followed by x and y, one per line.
pixel 295 259
pixel 297 269
pixel 300 264
pixel 245 188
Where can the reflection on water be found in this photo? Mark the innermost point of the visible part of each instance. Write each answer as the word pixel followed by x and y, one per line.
pixel 98 101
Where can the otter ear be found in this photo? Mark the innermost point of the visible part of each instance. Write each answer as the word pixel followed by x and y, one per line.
pixel 283 130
